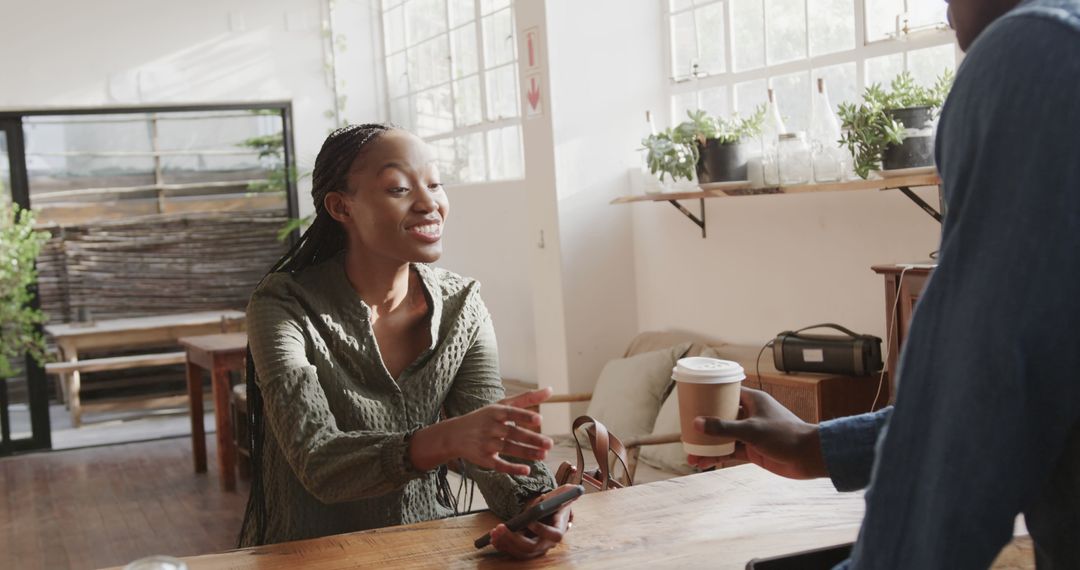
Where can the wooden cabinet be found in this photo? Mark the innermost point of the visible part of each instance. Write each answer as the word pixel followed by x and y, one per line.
pixel 819 397
pixel 903 286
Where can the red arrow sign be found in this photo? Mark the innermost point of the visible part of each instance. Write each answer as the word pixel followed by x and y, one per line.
pixel 534 94
pixel 532 54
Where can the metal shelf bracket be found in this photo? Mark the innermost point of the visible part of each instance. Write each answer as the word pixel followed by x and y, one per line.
pixel 922 203
pixel 699 222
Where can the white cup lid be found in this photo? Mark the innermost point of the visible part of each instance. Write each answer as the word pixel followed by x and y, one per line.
pixel 704 370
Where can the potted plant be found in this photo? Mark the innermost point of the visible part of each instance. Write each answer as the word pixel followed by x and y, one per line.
pixel 894 129
pixel 19 321
pixel 709 147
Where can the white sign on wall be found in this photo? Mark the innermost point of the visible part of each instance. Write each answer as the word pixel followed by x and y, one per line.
pixel 534 105
pixel 533 85
pixel 532 49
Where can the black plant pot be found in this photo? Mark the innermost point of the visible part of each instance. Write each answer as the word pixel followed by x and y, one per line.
pixel 915 151
pixel 720 162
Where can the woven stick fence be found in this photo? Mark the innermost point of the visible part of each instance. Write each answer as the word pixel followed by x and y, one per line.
pixel 157 264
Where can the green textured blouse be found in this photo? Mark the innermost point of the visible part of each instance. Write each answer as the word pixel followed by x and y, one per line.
pixel 336 422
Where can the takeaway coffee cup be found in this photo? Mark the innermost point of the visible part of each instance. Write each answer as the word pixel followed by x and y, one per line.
pixel 707 387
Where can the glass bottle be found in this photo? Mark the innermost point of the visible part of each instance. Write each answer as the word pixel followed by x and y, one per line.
pixel 825 138
pixel 770 135
pixel 794 158
pixel 649 182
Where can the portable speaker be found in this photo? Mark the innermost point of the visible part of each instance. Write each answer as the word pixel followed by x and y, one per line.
pixel 850 355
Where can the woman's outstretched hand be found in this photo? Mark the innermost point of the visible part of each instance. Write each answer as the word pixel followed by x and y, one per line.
pixel 769 435
pixel 541 536
pixel 481 436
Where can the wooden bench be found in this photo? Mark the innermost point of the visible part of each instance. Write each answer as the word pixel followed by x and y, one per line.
pixel 116 363
pixel 68 370
pixel 135 333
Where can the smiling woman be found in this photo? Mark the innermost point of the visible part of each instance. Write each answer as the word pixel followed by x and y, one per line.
pixel 369 370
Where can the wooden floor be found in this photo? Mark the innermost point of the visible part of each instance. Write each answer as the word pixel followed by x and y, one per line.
pixel 107 506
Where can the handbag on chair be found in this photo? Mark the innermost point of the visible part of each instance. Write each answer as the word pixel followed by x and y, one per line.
pixel 604 444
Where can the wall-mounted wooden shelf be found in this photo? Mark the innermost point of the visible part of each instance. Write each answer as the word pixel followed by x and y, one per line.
pixel 902 183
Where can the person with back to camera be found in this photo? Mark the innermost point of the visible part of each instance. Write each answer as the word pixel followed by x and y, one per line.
pixel 986 423
pixel 358 348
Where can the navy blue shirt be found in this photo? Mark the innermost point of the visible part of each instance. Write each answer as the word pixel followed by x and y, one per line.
pixel 987 418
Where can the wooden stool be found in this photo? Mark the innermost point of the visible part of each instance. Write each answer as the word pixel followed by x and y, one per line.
pixel 218 354
pixel 241 436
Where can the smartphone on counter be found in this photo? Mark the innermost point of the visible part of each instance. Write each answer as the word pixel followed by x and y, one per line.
pixel 537 512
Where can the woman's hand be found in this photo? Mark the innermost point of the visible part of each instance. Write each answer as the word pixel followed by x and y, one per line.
pixel 769 435
pixel 481 436
pixel 542 536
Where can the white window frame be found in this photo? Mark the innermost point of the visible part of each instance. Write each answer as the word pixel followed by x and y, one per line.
pixel 915 39
pixel 486 124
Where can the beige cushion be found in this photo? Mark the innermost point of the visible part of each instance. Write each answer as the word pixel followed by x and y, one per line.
pixel 629 391
pixel 670 456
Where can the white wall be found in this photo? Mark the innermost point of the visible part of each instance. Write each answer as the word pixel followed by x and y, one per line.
pixel 775 263
pixel 604 75
pixel 129 52
pixel 487 239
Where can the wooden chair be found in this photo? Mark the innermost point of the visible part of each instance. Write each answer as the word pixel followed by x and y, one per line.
pixel 241 435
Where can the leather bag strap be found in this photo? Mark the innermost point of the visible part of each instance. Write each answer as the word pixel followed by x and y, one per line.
pixel 603 444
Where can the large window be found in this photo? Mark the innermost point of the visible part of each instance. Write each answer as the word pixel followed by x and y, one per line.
pixel 451 76
pixel 726 54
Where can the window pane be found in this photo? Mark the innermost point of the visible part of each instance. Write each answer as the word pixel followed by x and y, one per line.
pixel 401 113
pixel 505 147
pixel 715 101
pixel 424 19
pixel 467 101
pixel 749 95
pixel 883 69
pixel 682 103
pixel 793 97
pixel 464 55
pixel 397 75
pixel 840 82
pixel 489 6
pixel 470 158
pixel 64 153
pixel 461 11
pixel 394 30
pixel 832 26
pixel 710 38
pixel 387 4
pixel 683 45
pixel 881 18
pixel 502 95
pixel 786 30
pixel 429 63
pixel 926 12
pixel 677 5
pixel 434 114
pixel 446 157
pixel 498 39
pixel 748 29
pixel 927 64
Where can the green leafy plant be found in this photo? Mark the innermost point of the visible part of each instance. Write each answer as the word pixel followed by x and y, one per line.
pixel 271 153
pixel 293 224
pixel 868 127
pixel 20 244
pixel 675 152
pixel 669 157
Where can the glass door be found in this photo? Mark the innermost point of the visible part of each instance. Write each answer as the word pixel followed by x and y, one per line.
pixel 24 409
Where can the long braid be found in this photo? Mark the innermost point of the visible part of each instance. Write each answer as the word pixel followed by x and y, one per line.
pixel 322 240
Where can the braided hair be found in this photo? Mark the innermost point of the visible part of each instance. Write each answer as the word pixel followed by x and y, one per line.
pixel 322 240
